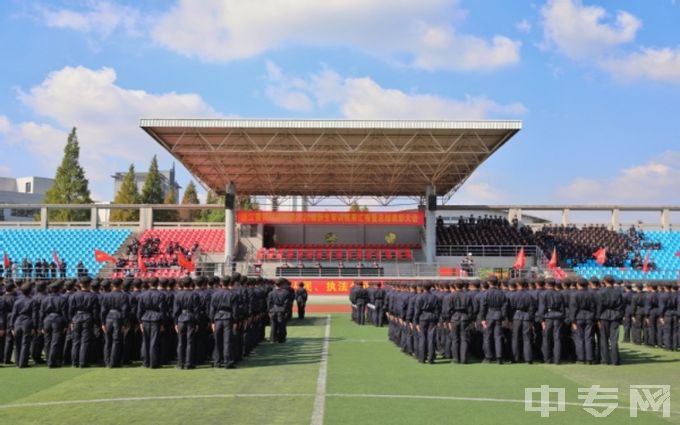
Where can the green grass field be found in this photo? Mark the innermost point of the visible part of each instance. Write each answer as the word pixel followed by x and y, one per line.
pixel 368 382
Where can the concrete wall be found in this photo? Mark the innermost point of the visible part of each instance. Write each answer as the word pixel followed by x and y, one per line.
pixel 484 262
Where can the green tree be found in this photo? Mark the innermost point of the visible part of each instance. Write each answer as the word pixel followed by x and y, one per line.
pixel 190 198
pixel 70 184
pixel 355 207
pixel 170 214
pixel 152 191
pixel 213 215
pixel 127 194
pixel 246 203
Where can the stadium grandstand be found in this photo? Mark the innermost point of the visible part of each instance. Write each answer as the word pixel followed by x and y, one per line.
pixel 316 159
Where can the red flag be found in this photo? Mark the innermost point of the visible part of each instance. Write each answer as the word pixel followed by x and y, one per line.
pixel 553 260
pixel 140 261
pixel 184 262
pixel 600 256
pixel 5 260
pixel 520 261
pixel 55 257
pixel 101 256
pixel 645 263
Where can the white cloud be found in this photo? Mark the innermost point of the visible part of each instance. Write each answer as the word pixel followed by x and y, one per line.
pixel 363 98
pixel 98 17
pixel 655 181
pixel 523 26
pixel 419 34
pixel 106 116
pixel 478 193
pixel 581 31
pixel 648 63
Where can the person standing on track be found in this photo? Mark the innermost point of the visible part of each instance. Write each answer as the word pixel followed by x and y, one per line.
pixel 301 300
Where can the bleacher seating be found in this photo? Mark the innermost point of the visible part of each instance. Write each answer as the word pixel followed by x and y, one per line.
pixel 208 240
pixel 666 260
pixel 337 252
pixel 72 245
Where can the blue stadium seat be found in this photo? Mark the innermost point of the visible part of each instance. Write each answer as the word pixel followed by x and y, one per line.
pixel 72 245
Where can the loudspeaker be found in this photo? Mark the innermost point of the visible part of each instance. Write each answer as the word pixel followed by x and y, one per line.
pixel 432 202
pixel 229 201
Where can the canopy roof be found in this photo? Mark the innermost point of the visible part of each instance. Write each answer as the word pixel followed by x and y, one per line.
pixel 330 157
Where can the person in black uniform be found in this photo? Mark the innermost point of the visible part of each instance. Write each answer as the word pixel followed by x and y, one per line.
pixel 301 300
pixel 277 304
pixel 7 337
pixel 425 318
pixel 628 313
pixel 460 313
pixel 551 309
pixel 54 312
pixel 379 304
pixel 582 311
pixel 84 316
pixel 361 299
pixel 651 314
pixel 150 313
pixel 667 317
pixel 185 311
pixel 493 311
pixel 638 314
pixel 524 307
pixel 25 319
pixel 115 310
pixel 610 310
pixel 38 343
pixel 224 306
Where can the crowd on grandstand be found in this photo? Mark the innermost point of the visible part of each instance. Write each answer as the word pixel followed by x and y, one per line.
pixel 574 245
pixel 116 322
pixel 522 321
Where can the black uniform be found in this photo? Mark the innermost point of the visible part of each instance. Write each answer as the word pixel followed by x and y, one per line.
pixel 610 310
pixel 460 313
pixel 25 315
pixel 426 316
pixel 8 300
pixel 301 300
pixel 551 312
pixel 84 316
pixel 224 313
pixel 150 313
pixel 493 310
pixel 115 310
pixel 582 311
pixel 54 313
pixel 524 307
pixel 185 311
pixel 277 305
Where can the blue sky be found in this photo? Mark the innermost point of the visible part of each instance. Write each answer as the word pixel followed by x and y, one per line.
pixel 596 83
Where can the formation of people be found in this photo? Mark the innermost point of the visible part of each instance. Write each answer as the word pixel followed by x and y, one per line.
pixel 522 321
pixel 117 322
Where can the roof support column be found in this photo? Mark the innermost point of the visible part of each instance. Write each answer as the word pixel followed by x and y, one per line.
pixel 665 221
pixel 430 225
pixel 229 229
pixel 615 219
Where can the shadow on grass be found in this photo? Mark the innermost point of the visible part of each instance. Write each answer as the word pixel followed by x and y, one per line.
pixel 632 356
pixel 296 350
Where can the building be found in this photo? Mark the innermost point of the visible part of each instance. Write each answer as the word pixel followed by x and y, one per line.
pixel 167 181
pixel 22 190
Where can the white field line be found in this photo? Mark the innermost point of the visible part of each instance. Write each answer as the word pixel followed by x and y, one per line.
pixel 284 395
pixel 320 396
